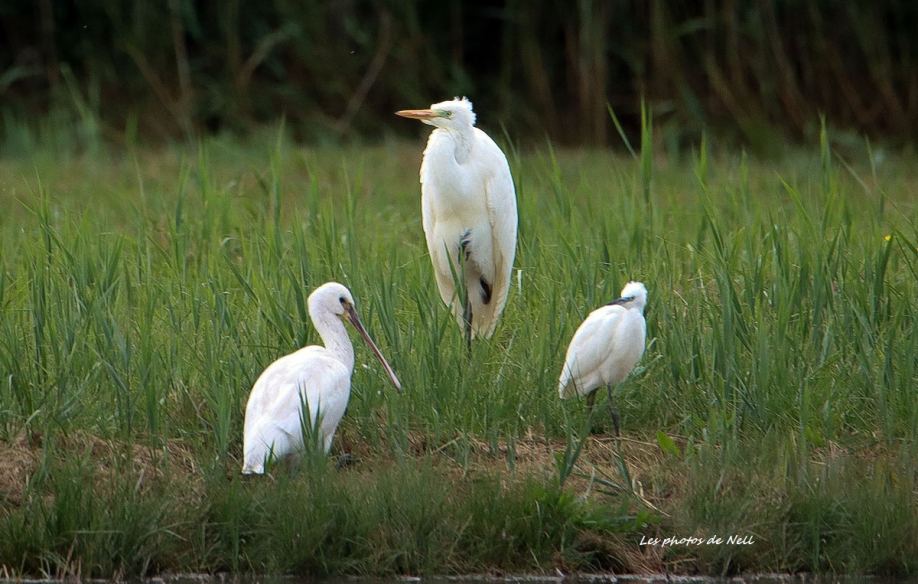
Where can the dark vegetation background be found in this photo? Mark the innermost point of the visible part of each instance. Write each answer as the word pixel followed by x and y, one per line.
pixel 761 71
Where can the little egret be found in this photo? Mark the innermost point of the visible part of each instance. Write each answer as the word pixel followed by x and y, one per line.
pixel 468 204
pixel 606 347
pixel 317 376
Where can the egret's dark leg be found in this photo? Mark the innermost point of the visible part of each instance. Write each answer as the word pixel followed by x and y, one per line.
pixel 467 316
pixel 466 303
pixel 591 399
pixel 614 411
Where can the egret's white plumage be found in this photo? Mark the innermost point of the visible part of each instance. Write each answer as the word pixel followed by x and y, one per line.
pixel 468 206
pixel 606 347
pixel 317 376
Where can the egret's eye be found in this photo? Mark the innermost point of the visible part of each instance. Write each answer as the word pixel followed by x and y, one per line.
pixel 446 114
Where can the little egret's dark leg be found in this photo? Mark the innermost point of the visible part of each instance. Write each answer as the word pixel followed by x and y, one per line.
pixel 467 316
pixel 614 411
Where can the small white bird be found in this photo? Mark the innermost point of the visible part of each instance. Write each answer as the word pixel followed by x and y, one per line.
pixel 606 347
pixel 468 204
pixel 317 376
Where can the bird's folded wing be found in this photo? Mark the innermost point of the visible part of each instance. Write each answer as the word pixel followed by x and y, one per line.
pixel 589 349
pixel 501 201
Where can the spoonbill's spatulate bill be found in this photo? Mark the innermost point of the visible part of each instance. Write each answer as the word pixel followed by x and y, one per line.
pixel 317 376
pixel 468 204
pixel 606 348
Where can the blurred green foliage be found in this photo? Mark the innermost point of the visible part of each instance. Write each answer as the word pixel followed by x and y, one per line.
pixel 761 70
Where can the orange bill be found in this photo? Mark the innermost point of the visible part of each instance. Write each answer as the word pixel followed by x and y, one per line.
pixel 418 114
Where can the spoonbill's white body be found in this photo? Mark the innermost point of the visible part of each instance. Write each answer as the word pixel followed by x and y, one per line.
pixel 468 204
pixel 319 377
pixel 606 347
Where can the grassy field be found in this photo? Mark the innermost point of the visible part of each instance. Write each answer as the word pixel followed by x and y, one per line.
pixel 141 294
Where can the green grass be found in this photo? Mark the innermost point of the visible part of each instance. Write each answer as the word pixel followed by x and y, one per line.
pixel 142 293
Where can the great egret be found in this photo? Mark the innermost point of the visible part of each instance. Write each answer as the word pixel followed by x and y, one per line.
pixel 606 347
pixel 317 376
pixel 469 214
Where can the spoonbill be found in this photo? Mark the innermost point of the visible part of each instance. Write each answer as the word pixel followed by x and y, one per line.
pixel 317 376
pixel 606 347
pixel 468 205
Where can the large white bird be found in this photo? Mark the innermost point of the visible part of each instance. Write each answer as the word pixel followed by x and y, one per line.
pixel 468 204
pixel 317 376
pixel 606 347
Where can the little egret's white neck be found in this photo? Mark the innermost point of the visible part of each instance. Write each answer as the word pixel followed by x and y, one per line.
pixel 334 336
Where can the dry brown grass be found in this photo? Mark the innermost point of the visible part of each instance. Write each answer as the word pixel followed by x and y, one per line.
pixel 173 464
pixel 18 461
pixel 659 481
